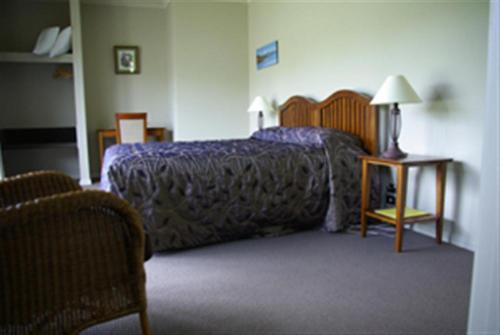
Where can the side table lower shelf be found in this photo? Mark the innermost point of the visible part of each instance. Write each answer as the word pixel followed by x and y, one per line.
pixel 381 217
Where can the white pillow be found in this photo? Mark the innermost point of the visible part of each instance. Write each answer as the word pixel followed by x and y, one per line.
pixel 63 43
pixel 46 41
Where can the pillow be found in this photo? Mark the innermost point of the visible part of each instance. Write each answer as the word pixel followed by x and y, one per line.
pixel 62 44
pixel 46 41
pixel 315 136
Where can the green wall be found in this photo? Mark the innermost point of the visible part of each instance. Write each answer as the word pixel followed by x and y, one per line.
pixel 208 70
pixel 107 93
pixel 441 49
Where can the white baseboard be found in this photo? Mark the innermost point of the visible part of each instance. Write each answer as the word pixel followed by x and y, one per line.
pixel 85 182
pixel 459 242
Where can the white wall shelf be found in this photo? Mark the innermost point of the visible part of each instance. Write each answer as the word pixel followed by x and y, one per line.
pixel 27 57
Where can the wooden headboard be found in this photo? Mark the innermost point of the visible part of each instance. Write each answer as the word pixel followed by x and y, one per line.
pixel 344 110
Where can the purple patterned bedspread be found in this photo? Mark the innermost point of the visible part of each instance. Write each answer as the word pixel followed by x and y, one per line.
pixel 278 181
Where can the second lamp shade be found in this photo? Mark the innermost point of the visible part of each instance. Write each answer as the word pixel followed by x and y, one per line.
pixel 395 89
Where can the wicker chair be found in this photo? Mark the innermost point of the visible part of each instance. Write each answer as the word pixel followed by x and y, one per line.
pixel 67 260
pixel 30 186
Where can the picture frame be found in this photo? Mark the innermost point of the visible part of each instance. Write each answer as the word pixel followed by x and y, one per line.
pixel 127 59
pixel 267 55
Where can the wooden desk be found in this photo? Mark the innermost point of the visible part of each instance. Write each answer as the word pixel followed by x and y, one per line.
pixel 402 166
pixel 103 134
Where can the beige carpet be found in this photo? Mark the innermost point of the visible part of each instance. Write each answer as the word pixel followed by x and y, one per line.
pixel 307 283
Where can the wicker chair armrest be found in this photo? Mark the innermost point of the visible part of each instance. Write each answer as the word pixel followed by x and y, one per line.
pixel 75 256
pixel 29 186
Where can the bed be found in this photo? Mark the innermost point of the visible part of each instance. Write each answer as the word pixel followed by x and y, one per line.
pixel 303 174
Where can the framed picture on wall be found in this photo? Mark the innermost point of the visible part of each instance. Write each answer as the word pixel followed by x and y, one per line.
pixel 267 55
pixel 127 60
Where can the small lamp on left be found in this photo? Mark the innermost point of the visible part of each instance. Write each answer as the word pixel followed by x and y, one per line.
pixel 261 106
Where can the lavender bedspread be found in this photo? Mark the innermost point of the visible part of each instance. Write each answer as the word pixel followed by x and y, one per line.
pixel 279 180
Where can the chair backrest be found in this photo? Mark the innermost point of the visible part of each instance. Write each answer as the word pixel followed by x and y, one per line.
pixel 131 127
pixel 33 185
pixel 69 261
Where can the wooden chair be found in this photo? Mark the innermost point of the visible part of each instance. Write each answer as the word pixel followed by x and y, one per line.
pixel 131 127
pixel 67 260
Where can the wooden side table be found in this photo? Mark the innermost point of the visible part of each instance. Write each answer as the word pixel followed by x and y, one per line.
pixel 399 219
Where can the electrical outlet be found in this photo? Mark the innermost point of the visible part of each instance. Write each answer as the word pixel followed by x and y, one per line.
pixel 390 194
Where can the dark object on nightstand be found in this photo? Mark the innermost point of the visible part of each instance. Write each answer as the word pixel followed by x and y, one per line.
pixel 399 218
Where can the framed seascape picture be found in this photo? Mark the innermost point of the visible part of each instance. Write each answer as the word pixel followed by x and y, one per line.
pixel 127 60
pixel 267 55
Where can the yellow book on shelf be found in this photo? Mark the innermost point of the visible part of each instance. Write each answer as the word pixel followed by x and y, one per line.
pixel 409 212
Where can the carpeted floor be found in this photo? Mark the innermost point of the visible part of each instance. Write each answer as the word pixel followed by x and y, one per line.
pixel 307 283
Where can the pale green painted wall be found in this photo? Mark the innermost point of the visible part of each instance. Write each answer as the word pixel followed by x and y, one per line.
pixel 441 49
pixel 107 93
pixel 194 74
pixel 210 70
pixel 170 43
pixel 202 73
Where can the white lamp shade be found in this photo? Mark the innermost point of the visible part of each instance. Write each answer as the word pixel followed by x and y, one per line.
pixel 395 89
pixel 259 104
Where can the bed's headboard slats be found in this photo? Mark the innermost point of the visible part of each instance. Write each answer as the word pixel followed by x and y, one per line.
pixel 344 110
pixel 299 112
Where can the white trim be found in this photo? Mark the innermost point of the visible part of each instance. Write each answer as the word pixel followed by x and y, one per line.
pixel 125 3
pixel 129 3
pixel 454 241
pixel 209 1
pixel 2 172
pixel 81 119
pixel 484 307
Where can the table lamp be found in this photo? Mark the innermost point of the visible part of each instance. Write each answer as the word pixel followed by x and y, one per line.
pixel 394 91
pixel 260 105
